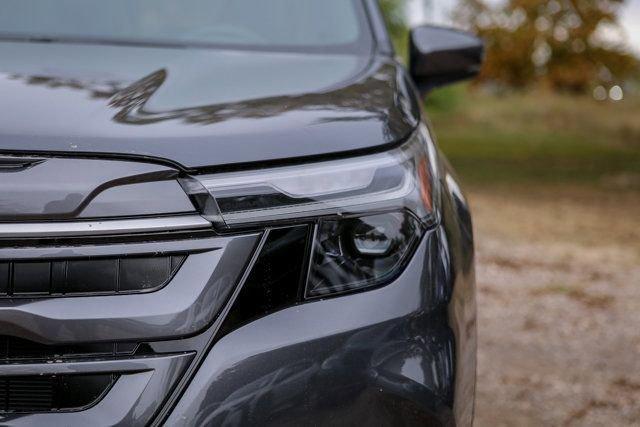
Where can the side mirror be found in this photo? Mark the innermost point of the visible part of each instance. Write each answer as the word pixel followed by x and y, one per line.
pixel 439 56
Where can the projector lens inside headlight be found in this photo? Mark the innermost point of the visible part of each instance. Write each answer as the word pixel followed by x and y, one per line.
pixel 375 235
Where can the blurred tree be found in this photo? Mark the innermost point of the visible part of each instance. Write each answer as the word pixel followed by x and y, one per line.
pixel 395 17
pixel 565 44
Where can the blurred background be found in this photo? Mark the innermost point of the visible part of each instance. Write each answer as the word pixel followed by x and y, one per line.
pixel 547 144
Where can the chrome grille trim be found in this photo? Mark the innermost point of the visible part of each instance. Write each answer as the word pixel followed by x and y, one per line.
pixel 98 228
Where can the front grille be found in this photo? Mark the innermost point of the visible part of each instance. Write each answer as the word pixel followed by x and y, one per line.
pixel 16 349
pixel 94 270
pixel 52 393
pixel 87 276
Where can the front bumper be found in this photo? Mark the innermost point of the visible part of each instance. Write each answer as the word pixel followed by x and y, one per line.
pixel 401 354
pixel 398 355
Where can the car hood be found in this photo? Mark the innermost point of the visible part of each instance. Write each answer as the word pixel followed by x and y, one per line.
pixel 198 107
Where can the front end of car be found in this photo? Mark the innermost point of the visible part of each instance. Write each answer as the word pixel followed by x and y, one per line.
pixel 333 291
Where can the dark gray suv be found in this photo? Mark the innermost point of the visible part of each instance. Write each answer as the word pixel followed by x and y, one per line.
pixel 229 212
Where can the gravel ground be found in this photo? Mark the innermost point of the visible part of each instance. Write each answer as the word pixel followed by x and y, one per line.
pixel 559 307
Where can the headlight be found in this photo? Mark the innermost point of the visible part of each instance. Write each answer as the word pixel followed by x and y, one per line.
pixel 362 252
pixel 368 211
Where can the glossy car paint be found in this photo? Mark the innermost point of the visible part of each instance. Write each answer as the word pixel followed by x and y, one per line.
pixel 402 354
pixel 199 107
pixel 442 55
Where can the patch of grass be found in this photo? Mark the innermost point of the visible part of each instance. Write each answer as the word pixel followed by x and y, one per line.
pixel 540 138
pixel 447 100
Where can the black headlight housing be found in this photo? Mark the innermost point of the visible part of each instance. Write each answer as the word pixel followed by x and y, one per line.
pixel 360 252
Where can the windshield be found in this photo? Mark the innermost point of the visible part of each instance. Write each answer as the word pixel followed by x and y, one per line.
pixel 326 25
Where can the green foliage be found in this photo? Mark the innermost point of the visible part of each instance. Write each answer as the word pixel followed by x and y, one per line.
pixel 541 138
pixel 446 99
pixel 394 15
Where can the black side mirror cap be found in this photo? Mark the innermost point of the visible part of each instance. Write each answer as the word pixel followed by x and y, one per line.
pixel 439 56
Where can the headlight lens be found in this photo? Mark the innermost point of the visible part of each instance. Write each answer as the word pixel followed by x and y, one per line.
pixel 369 211
pixel 357 253
pixel 395 180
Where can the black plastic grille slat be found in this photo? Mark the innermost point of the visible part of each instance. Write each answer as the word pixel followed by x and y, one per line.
pixel 31 394
pixel 275 281
pixel 87 276
pixel 15 349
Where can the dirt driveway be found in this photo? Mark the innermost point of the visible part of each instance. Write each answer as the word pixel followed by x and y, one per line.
pixel 559 307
